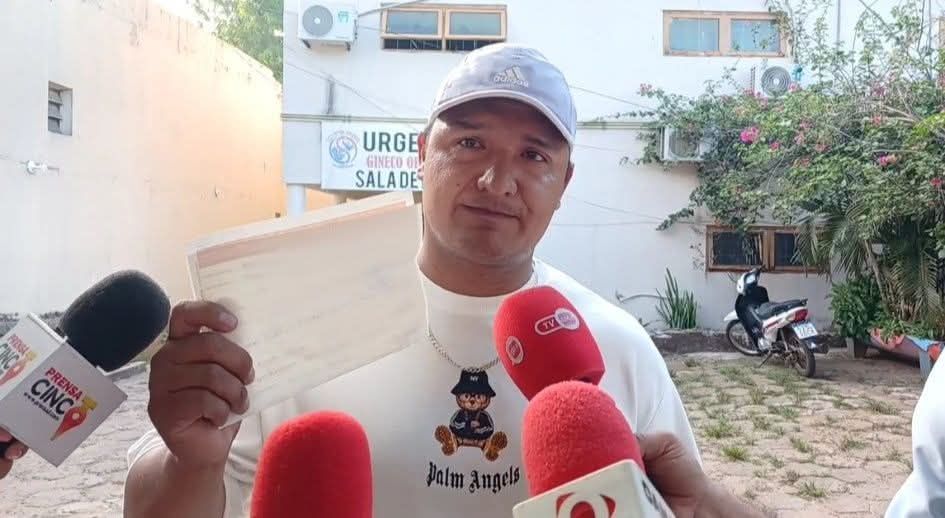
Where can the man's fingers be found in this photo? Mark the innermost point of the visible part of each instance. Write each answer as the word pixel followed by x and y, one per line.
pixel 15 451
pixel 5 436
pixel 188 318
pixel 5 467
pixel 655 445
pixel 211 348
pixel 212 377
pixel 191 405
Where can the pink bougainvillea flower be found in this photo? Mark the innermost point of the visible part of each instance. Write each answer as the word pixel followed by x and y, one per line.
pixel 820 147
pixel 775 145
pixel 805 125
pixel 802 162
pixel 877 120
pixel 794 88
pixel 887 160
pixel 937 182
pixel 799 139
pixel 750 135
pixel 646 88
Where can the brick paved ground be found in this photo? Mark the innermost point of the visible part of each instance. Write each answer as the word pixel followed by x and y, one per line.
pixel 835 446
pixel 89 483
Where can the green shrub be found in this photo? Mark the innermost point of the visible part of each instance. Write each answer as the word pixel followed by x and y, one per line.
pixel 856 305
pixel 676 308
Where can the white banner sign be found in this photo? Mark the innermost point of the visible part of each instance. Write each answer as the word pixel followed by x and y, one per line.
pixel 369 156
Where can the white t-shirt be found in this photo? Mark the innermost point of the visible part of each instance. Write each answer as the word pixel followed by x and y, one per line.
pixel 405 405
pixel 923 493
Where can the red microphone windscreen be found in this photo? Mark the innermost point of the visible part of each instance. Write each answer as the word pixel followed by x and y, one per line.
pixel 571 429
pixel 542 339
pixel 314 465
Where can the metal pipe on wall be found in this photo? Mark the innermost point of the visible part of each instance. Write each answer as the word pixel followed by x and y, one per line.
pixel 839 7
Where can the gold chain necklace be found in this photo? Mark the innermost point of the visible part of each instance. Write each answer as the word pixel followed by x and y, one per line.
pixel 439 348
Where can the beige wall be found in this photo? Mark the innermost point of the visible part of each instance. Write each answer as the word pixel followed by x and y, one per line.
pixel 175 134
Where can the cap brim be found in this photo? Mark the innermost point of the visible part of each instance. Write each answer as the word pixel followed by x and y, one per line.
pixel 507 94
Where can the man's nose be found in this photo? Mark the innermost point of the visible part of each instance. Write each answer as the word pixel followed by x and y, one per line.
pixel 499 179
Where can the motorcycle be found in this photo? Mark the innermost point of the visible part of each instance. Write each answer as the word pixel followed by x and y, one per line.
pixel 759 326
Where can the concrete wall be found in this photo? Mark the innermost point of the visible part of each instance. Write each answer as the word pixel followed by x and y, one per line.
pixel 604 234
pixel 176 134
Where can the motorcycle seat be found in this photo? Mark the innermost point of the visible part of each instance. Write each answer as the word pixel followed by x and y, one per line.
pixel 770 309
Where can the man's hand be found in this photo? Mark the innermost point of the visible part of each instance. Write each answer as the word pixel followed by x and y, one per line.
pixel 674 472
pixel 197 378
pixel 683 484
pixel 14 451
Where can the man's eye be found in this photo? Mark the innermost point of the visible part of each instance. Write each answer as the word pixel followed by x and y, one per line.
pixel 533 155
pixel 468 142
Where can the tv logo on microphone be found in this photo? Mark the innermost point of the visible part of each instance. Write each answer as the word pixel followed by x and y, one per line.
pixel 15 355
pixel 574 505
pixel 563 318
pixel 61 400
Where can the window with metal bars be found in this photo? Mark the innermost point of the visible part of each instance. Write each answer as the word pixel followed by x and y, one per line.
pixel 430 27
pixel 773 248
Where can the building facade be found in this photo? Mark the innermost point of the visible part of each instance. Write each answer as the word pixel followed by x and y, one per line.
pixel 360 76
pixel 125 133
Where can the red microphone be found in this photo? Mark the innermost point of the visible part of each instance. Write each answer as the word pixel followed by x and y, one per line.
pixel 315 465
pixel 542 339
pixel 582 459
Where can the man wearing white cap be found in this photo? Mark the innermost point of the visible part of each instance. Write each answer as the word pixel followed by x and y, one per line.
pixel 444 423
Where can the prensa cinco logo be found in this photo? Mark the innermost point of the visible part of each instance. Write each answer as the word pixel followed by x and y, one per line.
pixel 15 355
pixel 61 400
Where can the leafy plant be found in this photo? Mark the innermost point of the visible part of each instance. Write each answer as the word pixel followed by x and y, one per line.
pixel 851 155
pixel 249 25
pixel 678 307
pixel 812 490
pixel 891 326
pixel 735 453
pixel 855 304
pixel 719 429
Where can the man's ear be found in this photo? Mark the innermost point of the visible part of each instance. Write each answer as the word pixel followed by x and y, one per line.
pixel 567 180
pixel 422 153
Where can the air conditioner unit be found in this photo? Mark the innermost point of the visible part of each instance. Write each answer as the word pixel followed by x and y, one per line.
pixel 773 82
pixel 677 148
pixel 327 24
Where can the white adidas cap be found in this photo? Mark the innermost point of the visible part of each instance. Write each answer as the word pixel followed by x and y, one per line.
pixel 512 72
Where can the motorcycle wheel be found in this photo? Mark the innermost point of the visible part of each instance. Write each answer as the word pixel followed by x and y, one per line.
pixel 801 356
pixel 738 337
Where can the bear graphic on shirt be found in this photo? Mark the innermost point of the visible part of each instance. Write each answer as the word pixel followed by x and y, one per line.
pixel 471 425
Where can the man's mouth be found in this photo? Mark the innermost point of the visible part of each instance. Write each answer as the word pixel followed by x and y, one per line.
pixel 489 212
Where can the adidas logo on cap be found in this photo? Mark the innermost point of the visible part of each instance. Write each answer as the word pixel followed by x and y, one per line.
pixel 511 76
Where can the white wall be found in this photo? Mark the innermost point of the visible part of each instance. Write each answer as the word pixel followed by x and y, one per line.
pixel 604 45
pixel 609 47
pixel 175 135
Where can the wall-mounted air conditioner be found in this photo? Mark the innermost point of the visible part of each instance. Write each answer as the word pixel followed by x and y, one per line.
pixel 772 81
pixel 677 148
pixel 327 23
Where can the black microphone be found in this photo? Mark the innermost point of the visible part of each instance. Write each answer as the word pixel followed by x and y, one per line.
pixel 114 320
